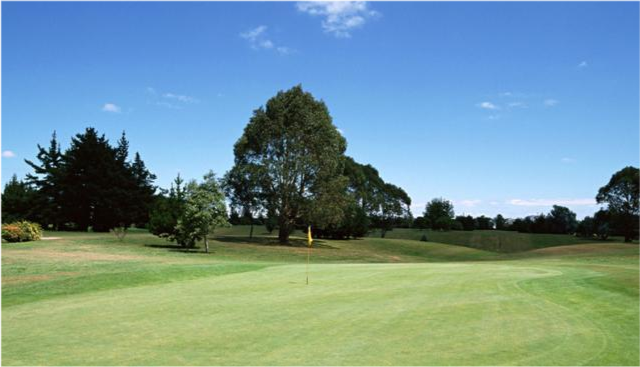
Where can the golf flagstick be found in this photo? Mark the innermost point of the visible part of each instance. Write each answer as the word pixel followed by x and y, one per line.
pixel 309 241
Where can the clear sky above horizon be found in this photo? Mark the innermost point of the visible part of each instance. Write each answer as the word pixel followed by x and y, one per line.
pixel 501 107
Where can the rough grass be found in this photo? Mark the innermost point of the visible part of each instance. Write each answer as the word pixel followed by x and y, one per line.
pixel 88 299
pixel 491 240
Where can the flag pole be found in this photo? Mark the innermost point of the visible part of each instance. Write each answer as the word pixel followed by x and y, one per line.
pixel 309 241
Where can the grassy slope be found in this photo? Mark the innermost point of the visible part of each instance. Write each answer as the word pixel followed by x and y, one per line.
pixel 87 299
pixel 490 240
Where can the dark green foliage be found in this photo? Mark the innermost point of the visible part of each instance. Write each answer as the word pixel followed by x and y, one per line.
pixel 561 220
pixel 46 179
pixel 621 194
pixel 421 223
pixel 586 228
pixel 484 223
pixel 19 201
pixel 291 156
pixel 424 237
pixel 385 205
pixel 166 210
pixel 443 224
pixel 91 185
pixel 501 223
pixel 601 220
pixel 467 222
pixel 440 213
pixel 457 225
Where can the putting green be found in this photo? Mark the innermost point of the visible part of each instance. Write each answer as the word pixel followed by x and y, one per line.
pixel 519 312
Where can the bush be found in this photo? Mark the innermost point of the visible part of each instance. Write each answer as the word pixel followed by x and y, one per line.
pixel 21 231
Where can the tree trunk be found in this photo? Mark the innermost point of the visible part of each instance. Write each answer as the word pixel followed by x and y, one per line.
pixel 283 235
pixel 251 231
pixel 206 244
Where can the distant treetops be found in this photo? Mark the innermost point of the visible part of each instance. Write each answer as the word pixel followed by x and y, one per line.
pixel 290 171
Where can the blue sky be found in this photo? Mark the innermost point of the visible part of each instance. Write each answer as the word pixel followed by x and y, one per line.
pixel 501 107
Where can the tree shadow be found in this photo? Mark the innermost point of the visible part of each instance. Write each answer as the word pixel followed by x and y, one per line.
pixel 266 241
pixel 178 248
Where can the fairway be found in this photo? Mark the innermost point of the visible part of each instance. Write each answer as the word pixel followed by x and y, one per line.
pixel 569 305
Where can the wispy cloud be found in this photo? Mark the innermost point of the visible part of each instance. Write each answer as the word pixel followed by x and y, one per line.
pixel 488 106
pixel 8 154
pixel 550 102
pixel 340 18
pixel 583 64
pixel 568 160
pixel 169 99
pixel 110 107
pixel 180 97
pixel 517 104
pixel 550 202
pixel 468 203
pixel 258 40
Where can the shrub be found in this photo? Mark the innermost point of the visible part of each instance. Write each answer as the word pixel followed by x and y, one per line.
pixel 21 231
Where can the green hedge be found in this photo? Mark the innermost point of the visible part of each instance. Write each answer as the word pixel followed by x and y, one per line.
pixel 21 231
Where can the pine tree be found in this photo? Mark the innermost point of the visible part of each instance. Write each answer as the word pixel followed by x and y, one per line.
pixel 46 179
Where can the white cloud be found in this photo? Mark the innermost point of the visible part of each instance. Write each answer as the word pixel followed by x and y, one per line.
pixel 550 202
pixel 8 154
pixel 181 98
pixel 505 94
pixel 488 106
pixel 340 17
pixel 583 64
pixel 110 107
pixel 470 203
pixel 258 40
pixel 568 160
pixel 550 102
pixel 253 34
pixel 517 105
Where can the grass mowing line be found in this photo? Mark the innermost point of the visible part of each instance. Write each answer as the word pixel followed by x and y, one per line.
pixel 570 312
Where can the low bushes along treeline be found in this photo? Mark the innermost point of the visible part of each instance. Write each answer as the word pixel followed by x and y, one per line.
pixel 21 231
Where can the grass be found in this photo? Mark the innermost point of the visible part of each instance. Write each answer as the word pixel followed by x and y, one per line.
pixel 491 240
pixel 87 299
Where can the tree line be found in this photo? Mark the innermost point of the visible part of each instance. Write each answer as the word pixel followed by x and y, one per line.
pixel 290 171
pixel 620 216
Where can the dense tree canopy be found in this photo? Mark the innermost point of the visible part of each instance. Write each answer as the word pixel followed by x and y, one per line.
pixel 18 201
pixel 292 155
pixel 440 213
pixel 91 184
pixel 621 195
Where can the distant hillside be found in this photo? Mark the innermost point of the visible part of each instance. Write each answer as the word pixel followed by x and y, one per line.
pixel 497 241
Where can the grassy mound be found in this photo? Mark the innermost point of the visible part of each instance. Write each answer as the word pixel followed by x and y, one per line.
pixel 491 240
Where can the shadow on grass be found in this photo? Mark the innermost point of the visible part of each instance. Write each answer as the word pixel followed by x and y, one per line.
pixel 266 241
pixel 178 248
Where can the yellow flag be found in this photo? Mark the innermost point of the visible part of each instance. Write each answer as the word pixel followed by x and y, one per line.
pixel 309 238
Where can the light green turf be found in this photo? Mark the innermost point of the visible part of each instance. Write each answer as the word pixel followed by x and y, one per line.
pixel 87 299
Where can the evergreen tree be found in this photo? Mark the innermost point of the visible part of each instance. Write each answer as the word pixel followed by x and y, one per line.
pixel 46 179
pixel 18 201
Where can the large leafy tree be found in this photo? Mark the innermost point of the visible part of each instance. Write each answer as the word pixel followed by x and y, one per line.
pixel 561 220
pixel 243 192
pixel 440 213
pixel 294 155
pixel 621 195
